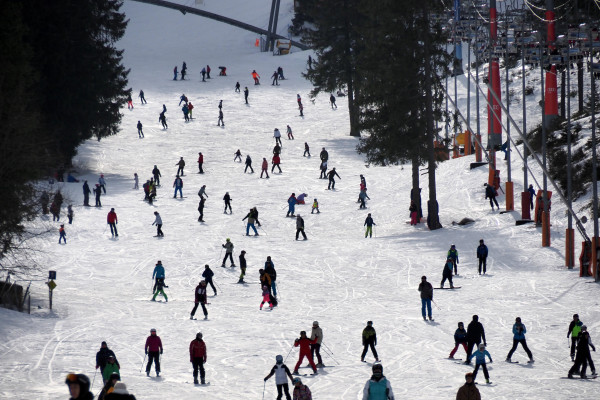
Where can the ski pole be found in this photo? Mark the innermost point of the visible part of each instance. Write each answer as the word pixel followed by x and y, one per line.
pixel 264 386
pixel 330 355
pixel 93 380
pixel 288 354
pixel 261 228
pixel 438 307
pixel 143 362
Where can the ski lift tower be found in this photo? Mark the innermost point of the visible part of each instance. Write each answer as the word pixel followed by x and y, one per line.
pixel 550 95
pixel 457 70
pixel 494 112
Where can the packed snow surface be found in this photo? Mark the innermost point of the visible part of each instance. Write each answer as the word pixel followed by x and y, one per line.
pixel 337 277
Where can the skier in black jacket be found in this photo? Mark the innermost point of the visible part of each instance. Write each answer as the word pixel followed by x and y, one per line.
pixel 208 275
pixel 86 194
pixel 475 333
pixel 583 354
pixel 102 357
pixel 157 175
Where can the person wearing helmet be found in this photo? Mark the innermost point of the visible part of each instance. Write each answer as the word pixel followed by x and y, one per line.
pixel 447 273
pixel 277 136
pixel 227 199
pixel 153 348
pixel 583 355
pixel 519 331
pixel 228 246
pixel 102 183
pixel 198 357
pixel 109 386
pixel 453 255
pixel 79 387
pixel 317 333
pixel 200 299
pixel 574 329
pixel 301 391
pixel 468 391
pixel 475 334
pixel 111 368
pixel 304 343
pixel 378 387
pixel 460 338
pixel 282 373
pixel 480 356
pixel 300 227
pixel 102 357
pixel 369 339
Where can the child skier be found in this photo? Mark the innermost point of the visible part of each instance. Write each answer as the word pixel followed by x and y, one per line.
pixel 519 331
pixel 315 206
pixel 304 343
pixel 200 299
pixel 62 233
pixel 266 298
pixel 447 273
pixel 369 223
pixel 480 362
pixel 453 255
pixel 281 372
pixel 460 338
pixel 160 285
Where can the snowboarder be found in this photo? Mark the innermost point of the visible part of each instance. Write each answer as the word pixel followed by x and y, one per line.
pixel 480 356
pixel 468 391
pixel 331 175
pixel 237 87
pixel 142 98
pixel 79 387
pixel 475 334
pixel 280 73
pixel 198 357
pixel 304 343
pixel 208 278
pixel 136 181
pixel 482 253
pixel 275 78
pixel 181 165
pixel 315 348
pixel 140 131
pixel 369 339
pixel 228 246
pixel 238 156
pixel 153 348
pixel 158 273
pixel 574 330
pixel 220 120
pixel 301 391
pixel 277 136
pixel 201 209
pixel 306 150
pixel 426 290
pixel 248 164
pixel 86 195
pixel 246 92
pixel 129 102
pixel 112 221
pixel 158 223
pixel 70 213
pixel 315 206
pixel 378 387
pixel 242 266
pixel 178 185
pixel 62 234
pixel 270 270
pixel 250 223
pixel 519 331
pixel 227 200
pixel 289 133
pixel 157 175
pixel 163 120
pixel 264 168
pixel 200 298
pixel 110 368
pixel 300 227
pixel 276 161
pixel 291 205
pixel 256 77
pixel 447 273
pixel 362 196
pixel 160 289
pixel 460 338
pixel 200 162
pixel 490 193
pixel 332 101
pixel 266 298
pixel 281 372
pixel 453 255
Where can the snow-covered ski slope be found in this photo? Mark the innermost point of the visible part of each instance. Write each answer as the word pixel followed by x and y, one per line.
pixel 336 277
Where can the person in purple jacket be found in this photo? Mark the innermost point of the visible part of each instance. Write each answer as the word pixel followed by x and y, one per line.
pixel 153 348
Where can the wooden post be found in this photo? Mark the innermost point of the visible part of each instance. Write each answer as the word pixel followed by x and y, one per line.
pixel 525 205
pixel 510 201
pixel 545 229
pixel 569 248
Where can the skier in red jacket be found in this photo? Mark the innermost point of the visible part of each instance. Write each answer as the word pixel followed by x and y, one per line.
pixel 198 357
pixel 265 168
pixel 111 219
pixel 200 162
pixel 153 347
pixel 304 344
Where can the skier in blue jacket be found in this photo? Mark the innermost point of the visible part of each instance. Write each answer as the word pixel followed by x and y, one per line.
pixel 159 273
pixel 480 362
pixel 291 205
pixel 378 387
pixel 519 331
